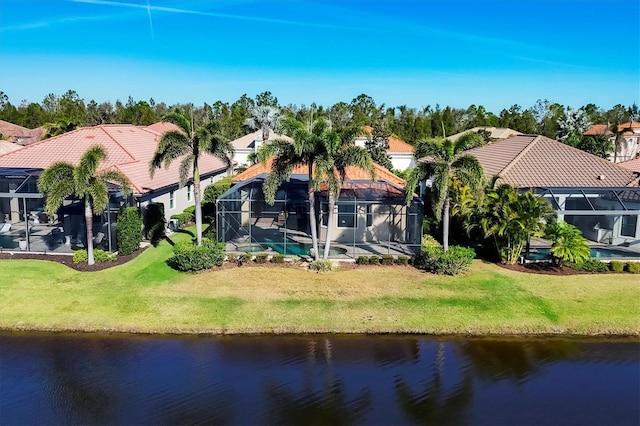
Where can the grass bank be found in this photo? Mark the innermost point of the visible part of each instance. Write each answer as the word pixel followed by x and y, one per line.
pixel 146 296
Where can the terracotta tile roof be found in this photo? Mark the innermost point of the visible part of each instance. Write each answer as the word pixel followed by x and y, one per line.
pixel 495 132
pixel 247 141
pixel 6 146
pixel 353 173
pixel 599 129
pixel 396 146
pixel 605 129
pixel 528 161
pixel 20 135
pixel 129 148
pixel 633 165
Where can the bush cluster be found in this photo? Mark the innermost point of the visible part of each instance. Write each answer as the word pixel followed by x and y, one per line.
pixel 591 265
pixel 129 230
pixel 100 256
pixel 616 266
pixel 183 218
pixel 321 266
pixel 188 257
pixel 261 257
pixel 277 258
pixel 633 267
pixel 450 262
pixel 386 259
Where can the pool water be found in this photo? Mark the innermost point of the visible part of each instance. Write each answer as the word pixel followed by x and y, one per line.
pixel 596 253
pixel 292 248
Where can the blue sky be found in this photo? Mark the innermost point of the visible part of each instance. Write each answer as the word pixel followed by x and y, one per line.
pixel 494 53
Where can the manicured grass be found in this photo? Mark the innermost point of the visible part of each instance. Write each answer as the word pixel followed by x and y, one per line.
pixel 145 295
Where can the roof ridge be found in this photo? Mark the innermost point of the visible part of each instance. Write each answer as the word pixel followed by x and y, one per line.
pixel 519 156
pixel 118 143
pixel 37 143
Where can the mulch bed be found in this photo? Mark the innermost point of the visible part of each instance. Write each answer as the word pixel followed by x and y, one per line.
pixel 541 268
pixel 68 260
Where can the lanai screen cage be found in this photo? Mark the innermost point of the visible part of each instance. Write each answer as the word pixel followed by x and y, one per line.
pixel 370 218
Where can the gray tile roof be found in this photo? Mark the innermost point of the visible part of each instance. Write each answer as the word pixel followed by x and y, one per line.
pixel 528 161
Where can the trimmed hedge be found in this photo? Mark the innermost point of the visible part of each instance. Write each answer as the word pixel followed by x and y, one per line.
pixel 277 258
pixel 591 265
pixel 154 223
pixel 450 262
pixel 129 230
pixel 616 266
pixel 100 256
pixel 188 257
pixel 633 267
pixel 402 260
pixel 262 257
pixel 362 260
pixel 387 259
pixel 321 266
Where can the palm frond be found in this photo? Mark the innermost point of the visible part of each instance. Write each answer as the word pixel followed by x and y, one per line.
pixel 179 120
pixel 173 144
pixel 221 148
pixel 187 169
pixel 89 163
pixel 117 177
pixel 99 195
pixel 58 184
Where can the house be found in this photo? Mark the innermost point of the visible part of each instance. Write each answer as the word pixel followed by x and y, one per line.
pixel 599 197
pixel 20 135
pixel 400 153
pixel 628 148
pixel 247 145
pixel 494 133
pixel 129 149
pixel 370 217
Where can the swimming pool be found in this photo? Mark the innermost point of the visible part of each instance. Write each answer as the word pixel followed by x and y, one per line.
pixel 292 248
pixel 596 253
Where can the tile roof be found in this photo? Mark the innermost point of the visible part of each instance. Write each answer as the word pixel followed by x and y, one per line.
pixel 20 135
pixel 247 141
pixel 353 173
pixel 495 132
pixel 396 146
pixel 605 129
pixel 599 129
pixel 6 146
pixel 633 165
pixel 528 161
pixel 129 149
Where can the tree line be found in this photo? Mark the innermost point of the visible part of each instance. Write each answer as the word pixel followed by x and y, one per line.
pixel 61 113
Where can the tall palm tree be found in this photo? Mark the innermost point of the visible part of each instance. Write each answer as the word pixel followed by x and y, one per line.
pixel 337 152
pixel 63 180
pixel 441 159
pixel 265 118
pixel 190 143
pixel 306 148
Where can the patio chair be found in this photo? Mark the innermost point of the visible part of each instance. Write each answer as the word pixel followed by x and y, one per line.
pixel 6 227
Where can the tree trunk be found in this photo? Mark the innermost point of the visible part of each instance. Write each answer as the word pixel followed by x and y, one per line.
pixel 445 224
pixel 327 241
pixel 88 217
pixel 313 223
pixel 196 196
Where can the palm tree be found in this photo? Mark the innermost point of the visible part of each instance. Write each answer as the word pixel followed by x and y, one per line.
pixel 190 143
pixel 63 180
pixel 265 118
pixel 337 152
pixel 568 244
pixel 306 149
pixel 441 160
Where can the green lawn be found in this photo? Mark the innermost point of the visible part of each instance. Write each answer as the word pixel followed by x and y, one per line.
pixel 145 295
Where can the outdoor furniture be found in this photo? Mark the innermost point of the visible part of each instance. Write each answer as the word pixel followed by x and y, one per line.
pixel 6 227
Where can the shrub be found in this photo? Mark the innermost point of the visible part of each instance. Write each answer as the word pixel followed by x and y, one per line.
pixel 295 259
pixel 387 259
pixel 104 256
pixel 232 257
pixel 154 223
pixel 210 232
pixel 277 258
pixel 245 257
pixel 183 218
pixel 188 257
pixel 129 230
pixel 451 262
pixel 374 260
pixel 428 242
pixel 568 243
pixel 616 266
pixel 591 265
pixel 321 266
pixel 262 257
pixel 402 260
pixel 80 256
pixel 362 260
pixel 190 210
pixel 215 190
pixel 633 267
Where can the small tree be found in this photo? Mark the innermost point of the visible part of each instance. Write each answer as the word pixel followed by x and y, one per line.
pixel 568 244
pixel 129 230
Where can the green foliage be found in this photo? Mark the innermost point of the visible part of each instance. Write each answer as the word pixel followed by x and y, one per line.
pixel 262 257
pixel 362 260
pixel 80 256
pixel 188 257
pixel 451 262
pixel 616 266
pixel 154 222
pixel 568 244
pixel 590 265
pixel 129 230
pixel 633 267
pixel 374 260
pixel 402 260
pixel 232 258
pixel 277 258
pixel 215 190
pixel 428 242
pixel 387 259
pixel 191 210
pixel 183 218
pixel 321 266
pixel 598 145
pixel 245 257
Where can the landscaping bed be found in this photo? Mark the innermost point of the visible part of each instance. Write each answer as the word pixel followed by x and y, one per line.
pixel 68 260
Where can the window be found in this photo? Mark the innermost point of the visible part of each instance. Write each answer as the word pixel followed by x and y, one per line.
pixel 189 191
pixel 346 216
pixel 369 215
pixel 172 200
pixel 324 214
pixel 628 228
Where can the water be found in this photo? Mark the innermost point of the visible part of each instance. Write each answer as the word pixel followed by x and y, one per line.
pixel 596 253
pixel 292 248
pixel 89 379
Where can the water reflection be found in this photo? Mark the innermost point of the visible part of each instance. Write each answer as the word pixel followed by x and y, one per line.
pixel 70 379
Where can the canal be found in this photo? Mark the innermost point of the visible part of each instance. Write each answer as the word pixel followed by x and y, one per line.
pixel 318 379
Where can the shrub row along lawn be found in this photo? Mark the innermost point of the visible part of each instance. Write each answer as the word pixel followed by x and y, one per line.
pixel 145 295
